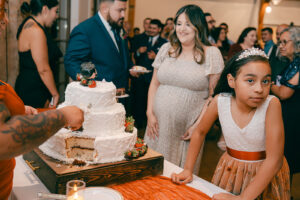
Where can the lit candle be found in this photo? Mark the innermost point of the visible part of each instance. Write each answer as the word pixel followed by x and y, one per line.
pixel 75 196
pixel 73 187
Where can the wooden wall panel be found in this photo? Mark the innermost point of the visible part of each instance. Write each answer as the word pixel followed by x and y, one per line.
pixel 9 59
pixel 131 11
pixel 15 20
pixel 3 64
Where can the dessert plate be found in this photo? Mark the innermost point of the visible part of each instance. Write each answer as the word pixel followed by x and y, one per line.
pixel 96 193
pixel 122 96
pixel 139 69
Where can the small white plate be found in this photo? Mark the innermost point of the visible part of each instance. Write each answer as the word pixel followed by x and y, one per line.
pixel 140 70
pixel 96 193
pixel 122 96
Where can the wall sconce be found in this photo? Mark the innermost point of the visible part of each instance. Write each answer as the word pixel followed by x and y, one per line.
pixel 268 9
pixel 276 2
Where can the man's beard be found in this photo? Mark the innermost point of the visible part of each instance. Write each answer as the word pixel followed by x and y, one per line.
pixel 115 24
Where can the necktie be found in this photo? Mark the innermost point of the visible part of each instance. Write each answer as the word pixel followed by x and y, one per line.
pixel 150 42
pixel 119 41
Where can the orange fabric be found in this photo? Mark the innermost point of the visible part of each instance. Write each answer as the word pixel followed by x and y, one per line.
pixel 156 188
pixel 16 107
pixel 244 155
pixel 12 101
pixel 235 175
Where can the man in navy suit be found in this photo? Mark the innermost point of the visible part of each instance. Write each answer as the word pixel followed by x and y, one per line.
pixel 98 40
pixel 142 36
pixel 147 48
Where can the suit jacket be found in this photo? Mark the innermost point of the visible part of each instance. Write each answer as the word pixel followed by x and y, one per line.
pixel 143 60
pixel 137 40
pixel 90 41
pixel 273 53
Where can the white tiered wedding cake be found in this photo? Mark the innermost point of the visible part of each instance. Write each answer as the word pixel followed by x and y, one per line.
pixel 103 138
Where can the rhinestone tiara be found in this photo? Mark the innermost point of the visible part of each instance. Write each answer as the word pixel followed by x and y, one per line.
pixel 252 52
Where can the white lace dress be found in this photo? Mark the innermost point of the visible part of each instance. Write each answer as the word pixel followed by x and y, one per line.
pixel 235 175
pixel 179 100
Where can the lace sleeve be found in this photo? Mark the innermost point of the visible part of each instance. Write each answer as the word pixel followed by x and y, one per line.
pixel 215 63
pixel 161 55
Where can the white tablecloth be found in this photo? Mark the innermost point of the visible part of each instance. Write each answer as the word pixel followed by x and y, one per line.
pixel 27 184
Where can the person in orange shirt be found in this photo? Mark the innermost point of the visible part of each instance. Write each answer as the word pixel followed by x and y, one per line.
pixel 22 129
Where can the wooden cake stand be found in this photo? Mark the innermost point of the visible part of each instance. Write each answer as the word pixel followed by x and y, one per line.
pixel 55 174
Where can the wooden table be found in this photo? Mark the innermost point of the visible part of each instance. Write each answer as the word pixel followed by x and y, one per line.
pixel 27 184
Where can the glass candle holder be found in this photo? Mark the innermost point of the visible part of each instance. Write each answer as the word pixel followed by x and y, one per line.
pixel 73 187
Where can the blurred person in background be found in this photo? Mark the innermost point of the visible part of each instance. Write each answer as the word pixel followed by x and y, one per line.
pixel 142 37
pixel 168 27
pixel 267 38
pixel 219 35
pixel 211 22
pixel 246 40
pixel 38 55
pixel 146 53
pixel 136 31
pixel 225 26
pixel 287 88
pixel 277 62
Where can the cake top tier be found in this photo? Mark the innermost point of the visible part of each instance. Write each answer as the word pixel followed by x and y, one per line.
pixel 101 96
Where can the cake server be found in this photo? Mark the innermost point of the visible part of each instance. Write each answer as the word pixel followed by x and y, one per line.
pixel 51 196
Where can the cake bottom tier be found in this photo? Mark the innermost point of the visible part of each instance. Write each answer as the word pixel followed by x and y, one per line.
pixel 68 146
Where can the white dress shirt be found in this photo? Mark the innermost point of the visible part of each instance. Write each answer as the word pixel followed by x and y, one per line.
pixel 154 39
pixel 108 28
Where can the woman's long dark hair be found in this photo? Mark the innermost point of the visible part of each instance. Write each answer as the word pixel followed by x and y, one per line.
pixel 244 34
pixel 232 67
pixel 35 7
pixel 216 33
pixel 196 16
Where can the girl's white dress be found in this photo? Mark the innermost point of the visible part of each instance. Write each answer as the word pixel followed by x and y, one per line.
pixel 234 175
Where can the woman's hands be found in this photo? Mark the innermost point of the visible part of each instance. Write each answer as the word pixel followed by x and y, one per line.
pixel 188 134
pixel 30 110
pixel 226 196
pixel 183 177
pixel 152 125
pixel 54 101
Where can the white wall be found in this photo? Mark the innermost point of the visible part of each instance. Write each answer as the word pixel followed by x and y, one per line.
pixel 286 12
pixel 80 11
pixel 238 14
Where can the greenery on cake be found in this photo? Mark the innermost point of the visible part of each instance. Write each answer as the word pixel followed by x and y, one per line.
pixel 140 149
pixel 86 82
pixel 129 124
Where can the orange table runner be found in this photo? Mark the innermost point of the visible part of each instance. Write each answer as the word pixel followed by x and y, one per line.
pixel 158 188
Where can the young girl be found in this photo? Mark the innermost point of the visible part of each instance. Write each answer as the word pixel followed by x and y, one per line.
pixel 253 166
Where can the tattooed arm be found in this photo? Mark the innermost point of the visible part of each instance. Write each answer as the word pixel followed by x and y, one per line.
pixel 22 133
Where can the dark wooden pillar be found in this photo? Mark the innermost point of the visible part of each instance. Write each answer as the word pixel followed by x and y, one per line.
pixel 262 11
pixel 131 12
